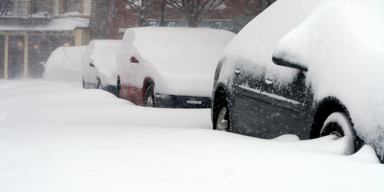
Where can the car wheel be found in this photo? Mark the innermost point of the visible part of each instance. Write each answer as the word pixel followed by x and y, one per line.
pixel 98 84
pixel 119 94
pixel 150 97
pixel 118 89
pixel 222 120
pixel 339 125
pixel 83 84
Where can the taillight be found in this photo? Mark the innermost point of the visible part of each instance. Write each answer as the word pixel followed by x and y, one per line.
pixel 134 60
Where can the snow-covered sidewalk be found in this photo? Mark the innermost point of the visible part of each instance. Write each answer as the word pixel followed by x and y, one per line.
pixel 56 136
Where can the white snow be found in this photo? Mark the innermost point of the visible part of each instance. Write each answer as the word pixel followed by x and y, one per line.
pixel 181 61
pixel 57 136
pixel 57 24
pixel 102 53
pixel 64 64
pixel 342 45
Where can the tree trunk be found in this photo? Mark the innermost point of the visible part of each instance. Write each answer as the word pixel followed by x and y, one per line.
pixel 142 21
pixel 193 22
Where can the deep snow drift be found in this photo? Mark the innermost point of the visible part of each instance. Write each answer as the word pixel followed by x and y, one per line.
pixel 56 136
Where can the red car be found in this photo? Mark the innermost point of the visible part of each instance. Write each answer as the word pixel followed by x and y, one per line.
pixel 169 67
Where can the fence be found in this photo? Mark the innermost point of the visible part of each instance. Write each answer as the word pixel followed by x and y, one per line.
pixel 27 8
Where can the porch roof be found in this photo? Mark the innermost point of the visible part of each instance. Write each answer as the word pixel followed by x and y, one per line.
pixel 56 24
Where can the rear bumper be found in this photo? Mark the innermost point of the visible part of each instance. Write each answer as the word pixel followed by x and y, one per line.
pixel 176 101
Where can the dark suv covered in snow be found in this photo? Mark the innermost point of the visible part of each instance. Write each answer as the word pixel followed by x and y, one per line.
pixel 312 71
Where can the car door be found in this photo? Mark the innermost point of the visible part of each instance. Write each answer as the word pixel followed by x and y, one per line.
pixel 283 104
pixel 244 101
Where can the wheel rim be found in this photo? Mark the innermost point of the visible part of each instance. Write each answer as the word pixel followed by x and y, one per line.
pixel 222 123
pixel 149 102
pixel 332 128
pixel 339 125
pixel 336 133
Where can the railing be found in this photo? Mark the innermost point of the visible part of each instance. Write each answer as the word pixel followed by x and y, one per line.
pixel 26 9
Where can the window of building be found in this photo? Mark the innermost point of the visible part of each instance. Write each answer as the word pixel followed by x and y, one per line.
pixel 71 6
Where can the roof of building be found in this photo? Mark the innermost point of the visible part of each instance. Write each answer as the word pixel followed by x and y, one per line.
pixel 57 24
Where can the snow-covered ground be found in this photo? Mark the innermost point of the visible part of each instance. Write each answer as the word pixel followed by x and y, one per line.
pixel 56 136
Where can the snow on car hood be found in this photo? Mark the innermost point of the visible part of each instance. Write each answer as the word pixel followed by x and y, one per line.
pixel 102 53
pixel 180 54
pixel 342 45
pixel 64 64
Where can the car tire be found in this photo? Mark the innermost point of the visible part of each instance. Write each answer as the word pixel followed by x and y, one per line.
pixel 98 84
pixel 338 124
pixel 119 94
pixel 150 96
pixel 222 117
pixel 83 83
pixel 118 89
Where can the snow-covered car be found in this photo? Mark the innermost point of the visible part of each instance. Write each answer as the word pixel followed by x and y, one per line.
pixel 99 65
pixel 325 78
pixel 64 64
pixel 169 67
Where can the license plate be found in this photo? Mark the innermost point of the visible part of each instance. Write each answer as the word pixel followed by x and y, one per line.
pixel 193 102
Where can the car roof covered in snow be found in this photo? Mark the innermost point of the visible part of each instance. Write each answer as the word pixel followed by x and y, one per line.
pixel 186 52
pixel 102 53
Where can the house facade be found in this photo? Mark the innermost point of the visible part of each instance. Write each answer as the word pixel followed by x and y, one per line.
pixel 30 30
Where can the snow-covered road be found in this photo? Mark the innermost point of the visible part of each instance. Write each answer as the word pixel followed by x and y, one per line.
pixel 56 136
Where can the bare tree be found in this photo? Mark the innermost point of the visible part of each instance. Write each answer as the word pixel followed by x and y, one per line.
pixel 194 10
pixel 142 8
pixel 255 7
pixel 263 4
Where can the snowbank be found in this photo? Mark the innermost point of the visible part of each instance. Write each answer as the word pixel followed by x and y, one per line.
pixel 57 136
pixel 102 53
pixel 64 64
pixel 181 55
pixel 342 45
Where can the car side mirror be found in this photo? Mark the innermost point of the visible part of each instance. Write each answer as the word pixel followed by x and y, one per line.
pixel 91 64
pixel 285 63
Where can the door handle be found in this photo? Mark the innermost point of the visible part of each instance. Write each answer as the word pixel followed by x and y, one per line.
pixel 237 70
pixel 269 81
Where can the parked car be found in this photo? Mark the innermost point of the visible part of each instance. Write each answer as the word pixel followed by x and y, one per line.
pixel 325 78
pixel 99 65
pixel 169 67
pixel 64 64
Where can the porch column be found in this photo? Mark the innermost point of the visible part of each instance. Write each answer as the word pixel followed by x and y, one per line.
pixel 26 56
pixel 6 57
pixel 78 37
